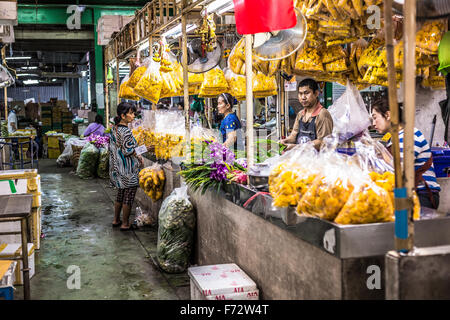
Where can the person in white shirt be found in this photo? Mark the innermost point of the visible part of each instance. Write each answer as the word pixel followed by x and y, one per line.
pixel 12 119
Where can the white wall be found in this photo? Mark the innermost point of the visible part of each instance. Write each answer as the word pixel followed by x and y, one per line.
pixel 427 105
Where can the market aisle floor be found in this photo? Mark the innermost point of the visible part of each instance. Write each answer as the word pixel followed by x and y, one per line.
pixel 76 222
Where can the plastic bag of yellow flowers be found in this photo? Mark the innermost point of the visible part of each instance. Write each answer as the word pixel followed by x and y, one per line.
pixel 214 83
pixel 264 86
pixel 368 203
pixel 308 59
pixel 386 181
pixel 330 191
pixel 138 73
pixel 150 84
pixel 292 174
pixel 236 60
pixel 237 84
pixel 126 92
pixel 429 37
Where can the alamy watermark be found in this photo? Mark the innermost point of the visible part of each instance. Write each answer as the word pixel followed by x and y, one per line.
pixel 74 280
pixel 374 280
pixel 73 22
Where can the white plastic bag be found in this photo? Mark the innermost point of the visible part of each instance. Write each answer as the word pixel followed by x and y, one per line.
pixel 349 113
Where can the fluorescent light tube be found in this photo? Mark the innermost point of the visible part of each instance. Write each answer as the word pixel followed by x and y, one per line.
pixel 18 58
pixel 31 81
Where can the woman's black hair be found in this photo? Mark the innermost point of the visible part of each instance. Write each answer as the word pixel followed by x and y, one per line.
pixel 382 107
pixel 228 98
pixel 99 119
pixel 122 109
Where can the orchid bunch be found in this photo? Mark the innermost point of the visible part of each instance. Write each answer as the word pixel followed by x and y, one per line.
pixel 99 141
pixel 212 172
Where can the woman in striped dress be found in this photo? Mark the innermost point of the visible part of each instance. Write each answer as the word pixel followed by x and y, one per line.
pixel 124 164
pixel 426 184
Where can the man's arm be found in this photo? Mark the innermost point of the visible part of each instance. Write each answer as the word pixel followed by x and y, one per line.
pixel 293 135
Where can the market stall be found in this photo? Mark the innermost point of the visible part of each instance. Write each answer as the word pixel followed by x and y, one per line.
pixel 328 214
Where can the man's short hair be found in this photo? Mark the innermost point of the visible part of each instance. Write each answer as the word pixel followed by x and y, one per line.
pixel 311 83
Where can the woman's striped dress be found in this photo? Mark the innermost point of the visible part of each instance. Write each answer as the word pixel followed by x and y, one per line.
pixel 123 165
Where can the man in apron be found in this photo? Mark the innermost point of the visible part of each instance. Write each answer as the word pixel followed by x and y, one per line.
pixel 313 122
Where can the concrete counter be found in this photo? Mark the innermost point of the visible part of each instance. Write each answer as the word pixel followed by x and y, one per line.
pixel 309 259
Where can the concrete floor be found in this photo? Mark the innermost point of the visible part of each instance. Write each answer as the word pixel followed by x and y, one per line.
pixel 76 222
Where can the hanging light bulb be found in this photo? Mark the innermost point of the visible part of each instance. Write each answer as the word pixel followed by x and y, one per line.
pixel 110 77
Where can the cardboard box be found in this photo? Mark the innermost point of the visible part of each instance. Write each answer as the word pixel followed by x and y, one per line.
pixel 8 12
pixel 221 282
pixel 53 153
pixel 13 250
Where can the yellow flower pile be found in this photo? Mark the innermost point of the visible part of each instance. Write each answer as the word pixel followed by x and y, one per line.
pixel 429 37
pixel 236 60
pixel 387 182
pixel 287 184
pixel 309 59
pixel 214 83
pixel 144 136
pixel 150 85
pixel 325 199
pixel 237 84
pixel 152 182
pixel 168 146
pixel 264 86
pixel 126 92
pixel 195 81
pixel 136 76
pixel 367 204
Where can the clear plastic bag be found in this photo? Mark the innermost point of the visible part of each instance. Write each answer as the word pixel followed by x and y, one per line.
pixel 143 218
pixel 236 60
pixel 138 73
pixel 103 164
pixel 175 232
pixel 264 86
pixel 214 83
pixel 65 157
pixel 126 92
pixel 292 174
pixel 87 164
pixel 308 59
pixel 330 190
pixel 368 203
pixel 237 84
pixel 333 53
pixel 152 180
pixel 150 84
pixel 349 113
pixel 429 37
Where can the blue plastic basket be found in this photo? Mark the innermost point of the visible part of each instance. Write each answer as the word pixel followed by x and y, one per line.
pixel 441 161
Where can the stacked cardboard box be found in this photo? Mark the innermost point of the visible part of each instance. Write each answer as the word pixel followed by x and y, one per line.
pixel 20 182
pixel 67 122
pixel 53 150
pixel 46 117
pixel 57 119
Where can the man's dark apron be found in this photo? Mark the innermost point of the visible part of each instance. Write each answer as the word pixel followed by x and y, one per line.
pixel 306 131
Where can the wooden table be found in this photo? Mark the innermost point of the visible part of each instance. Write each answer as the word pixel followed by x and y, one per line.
pixel 18 208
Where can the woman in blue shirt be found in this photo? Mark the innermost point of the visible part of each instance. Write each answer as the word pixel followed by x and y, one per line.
pixel 230 124
pixel 426 184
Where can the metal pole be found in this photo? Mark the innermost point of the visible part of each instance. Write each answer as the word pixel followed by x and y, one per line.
pixel 5 90
pixel 266 107
pixel 249 99
pixel 187 123
pixel 117 80
pixel 106 97
pixel 277 108
pixel 410 106
pixel 286 111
